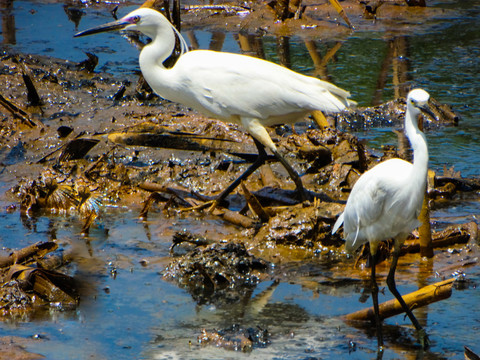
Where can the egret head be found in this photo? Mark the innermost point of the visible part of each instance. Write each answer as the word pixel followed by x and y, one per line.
pixel 148 21
pixel 417 101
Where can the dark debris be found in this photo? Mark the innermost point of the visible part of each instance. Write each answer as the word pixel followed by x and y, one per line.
pixel 220 273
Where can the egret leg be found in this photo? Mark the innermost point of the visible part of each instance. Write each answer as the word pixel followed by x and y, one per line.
pixel 262 157
pixel 422 336
pixel 261 137
pixel 293 174
pixel 378 322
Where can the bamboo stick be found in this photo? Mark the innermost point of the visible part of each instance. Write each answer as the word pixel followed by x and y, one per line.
pixel 424 296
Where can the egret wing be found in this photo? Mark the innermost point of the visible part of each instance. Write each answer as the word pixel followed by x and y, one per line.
pixel 228 85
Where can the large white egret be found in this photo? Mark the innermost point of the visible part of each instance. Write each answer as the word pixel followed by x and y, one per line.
pixel 385 204
pixel 230 87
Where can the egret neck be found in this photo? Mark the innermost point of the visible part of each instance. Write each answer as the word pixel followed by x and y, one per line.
pixel 419 146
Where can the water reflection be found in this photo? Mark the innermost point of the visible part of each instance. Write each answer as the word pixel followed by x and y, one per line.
pixel 74 14
pixel 8 22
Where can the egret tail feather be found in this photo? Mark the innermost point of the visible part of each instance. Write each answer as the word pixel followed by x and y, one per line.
pixel 338 223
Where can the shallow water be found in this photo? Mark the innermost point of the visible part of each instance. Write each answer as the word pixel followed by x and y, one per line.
pixel 127 311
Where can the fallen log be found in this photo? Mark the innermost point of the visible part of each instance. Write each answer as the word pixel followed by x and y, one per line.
pixel 424 296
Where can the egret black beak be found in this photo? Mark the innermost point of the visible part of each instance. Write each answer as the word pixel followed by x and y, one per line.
pixel 111 26
pixel 426 109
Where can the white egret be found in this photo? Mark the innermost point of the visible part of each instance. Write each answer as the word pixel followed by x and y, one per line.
pixel 230 87
pixel 385 204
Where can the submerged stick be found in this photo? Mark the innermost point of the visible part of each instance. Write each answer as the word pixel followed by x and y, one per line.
pixel 424 296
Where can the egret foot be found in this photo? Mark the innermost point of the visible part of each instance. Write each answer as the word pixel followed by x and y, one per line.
pixel 423 339
pixel 380 353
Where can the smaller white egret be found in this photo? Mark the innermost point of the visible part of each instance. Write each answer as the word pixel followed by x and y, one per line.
pixel 233 88
pixel 385 204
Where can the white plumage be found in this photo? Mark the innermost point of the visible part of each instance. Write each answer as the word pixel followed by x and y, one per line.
pixel 381 205
pixel 385 204
pixel 234 88
pixel 386 200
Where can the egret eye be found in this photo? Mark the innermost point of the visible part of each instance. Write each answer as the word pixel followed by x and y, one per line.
pixel 135 19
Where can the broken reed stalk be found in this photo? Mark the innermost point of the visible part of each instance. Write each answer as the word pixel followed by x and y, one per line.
pixel 281 9
pixel 469 354
pixel 32 94
pixel 425 231
pixel 18 112
pixel 424 296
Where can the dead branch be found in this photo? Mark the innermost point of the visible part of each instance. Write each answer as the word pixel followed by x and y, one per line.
pixel 26 254
pixel 426 295
pixel 238 219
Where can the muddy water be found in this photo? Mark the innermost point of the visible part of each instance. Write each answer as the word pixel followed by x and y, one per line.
pixel 127 311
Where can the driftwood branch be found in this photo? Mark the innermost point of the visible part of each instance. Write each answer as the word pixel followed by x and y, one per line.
pixel 424 296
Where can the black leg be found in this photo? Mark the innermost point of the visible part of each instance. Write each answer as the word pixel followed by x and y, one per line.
pixel 262 157
pixel 378 322
pixel 293 174
pixel 422 336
